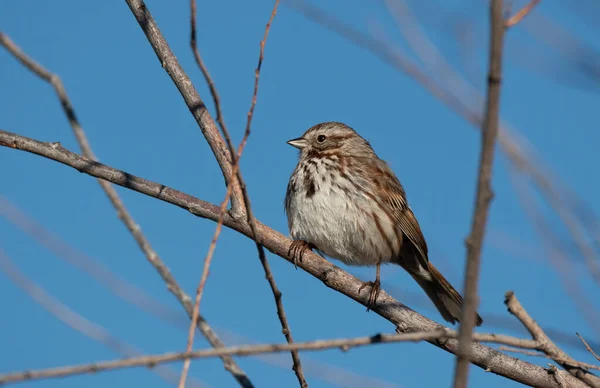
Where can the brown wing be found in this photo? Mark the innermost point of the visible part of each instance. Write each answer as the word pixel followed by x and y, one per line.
pixel 395 198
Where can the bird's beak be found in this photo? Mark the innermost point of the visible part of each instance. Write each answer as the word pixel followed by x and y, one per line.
pixel 299 143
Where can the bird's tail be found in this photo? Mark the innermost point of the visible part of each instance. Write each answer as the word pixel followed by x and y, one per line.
pixel 445 298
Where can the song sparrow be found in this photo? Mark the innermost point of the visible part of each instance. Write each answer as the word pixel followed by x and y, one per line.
pixel 345 202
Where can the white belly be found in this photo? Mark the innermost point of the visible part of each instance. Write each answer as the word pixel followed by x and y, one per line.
pixel 340 227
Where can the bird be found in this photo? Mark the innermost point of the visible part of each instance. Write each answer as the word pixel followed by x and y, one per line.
pixel 344 202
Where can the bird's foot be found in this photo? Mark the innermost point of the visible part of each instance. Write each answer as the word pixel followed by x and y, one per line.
pixel 375 288
pixel 297 249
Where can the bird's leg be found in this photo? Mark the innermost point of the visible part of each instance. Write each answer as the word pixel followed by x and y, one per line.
pixel 297 249
pixel 375 288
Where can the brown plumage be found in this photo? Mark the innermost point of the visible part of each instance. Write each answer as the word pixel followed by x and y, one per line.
pixel 348 204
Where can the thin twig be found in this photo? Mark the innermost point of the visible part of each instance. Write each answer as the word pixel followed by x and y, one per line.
pixel 297 367
pixel 76 321
pixel 588 347
pixel 211 84
pixel 547 346
pixel 516 18
pixel 332 276
pixel 345 344
pixel 118 204
pixel 235 202
pixel 326 372
pixel 186 88
pixel 235 171
pixel 484 195
pixel 285 327
pixel 203 278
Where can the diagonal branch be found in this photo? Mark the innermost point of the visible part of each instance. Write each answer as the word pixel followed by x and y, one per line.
pixel 207 77
pixel 285 327
pixel 202 283
pixel 235 202
pixel 333 277
pixel 588 347
pixel 484 195
pixel 190 95
pixel 118 204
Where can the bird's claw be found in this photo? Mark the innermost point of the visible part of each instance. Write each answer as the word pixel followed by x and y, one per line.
pixel 297 249
pixel 374 294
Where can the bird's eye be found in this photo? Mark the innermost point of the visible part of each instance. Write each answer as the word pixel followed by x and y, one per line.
pixel 321 138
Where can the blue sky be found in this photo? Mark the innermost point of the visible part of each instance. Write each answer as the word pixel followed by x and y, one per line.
pixel 136 121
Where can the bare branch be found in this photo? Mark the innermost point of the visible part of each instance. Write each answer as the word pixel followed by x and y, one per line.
pixel 332 276
pixel 184 85
pixel 588 347
pixel 484 195
pixel 516 18
pixel 546 345
pixel 319 370
pixel 345 344
pixel 203 278
pixel 235 202
pixel 211 84
pixel 114 198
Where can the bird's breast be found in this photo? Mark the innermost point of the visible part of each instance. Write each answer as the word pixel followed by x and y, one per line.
pixel 329 211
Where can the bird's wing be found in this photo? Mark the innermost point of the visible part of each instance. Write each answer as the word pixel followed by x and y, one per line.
pixel 409 226
pixel 395 197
